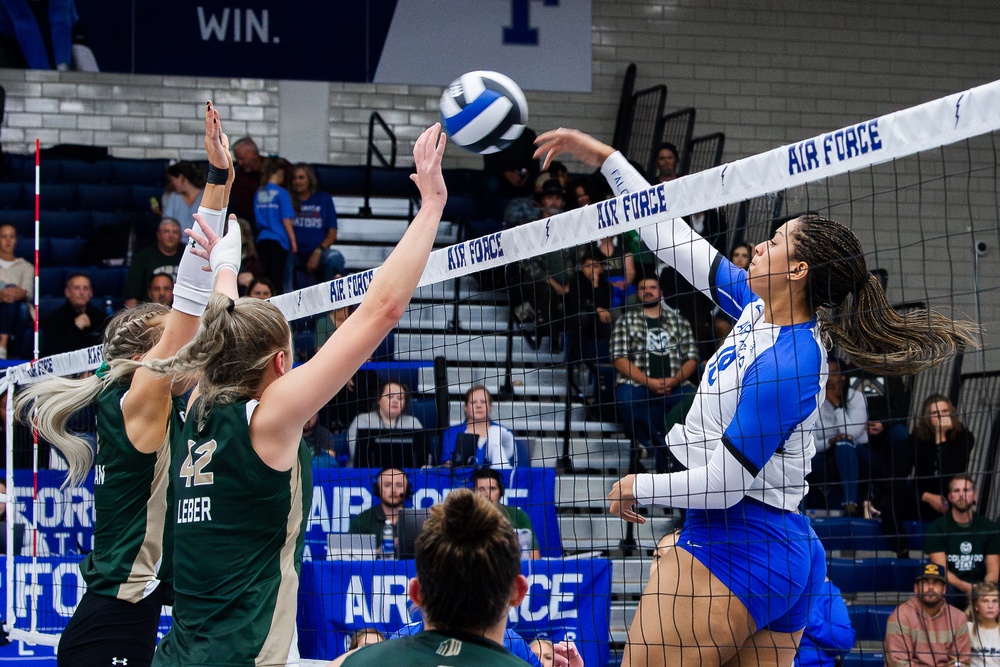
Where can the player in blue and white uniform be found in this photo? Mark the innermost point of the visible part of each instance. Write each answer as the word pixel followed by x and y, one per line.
pixel 738 580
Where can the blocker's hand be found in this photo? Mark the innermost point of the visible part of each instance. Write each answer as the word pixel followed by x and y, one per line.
pixel 623 500
pixel 566 655
pixel 220 251
pixel 574 143
pixel 427 152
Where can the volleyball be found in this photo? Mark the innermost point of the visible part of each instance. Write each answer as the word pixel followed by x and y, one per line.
pixel 483 112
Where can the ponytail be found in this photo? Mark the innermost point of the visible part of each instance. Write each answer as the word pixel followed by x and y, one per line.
pixel 856 316
pixel 50 403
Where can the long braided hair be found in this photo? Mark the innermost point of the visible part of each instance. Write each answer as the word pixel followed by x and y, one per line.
pixel 232 349
pixel 853 310
pixel 50 403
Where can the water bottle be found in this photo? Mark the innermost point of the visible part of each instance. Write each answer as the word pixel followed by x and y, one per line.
pixel 109 308
pixel 388 543
pixel 524 541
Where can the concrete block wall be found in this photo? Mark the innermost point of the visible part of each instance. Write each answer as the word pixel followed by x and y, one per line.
pixel 766 74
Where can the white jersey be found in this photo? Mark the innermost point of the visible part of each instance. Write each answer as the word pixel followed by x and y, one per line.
pixel 748 433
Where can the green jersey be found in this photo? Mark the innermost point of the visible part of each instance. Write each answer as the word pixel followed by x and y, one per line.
pixel 239 528
pixel 130 505
pixel 435 649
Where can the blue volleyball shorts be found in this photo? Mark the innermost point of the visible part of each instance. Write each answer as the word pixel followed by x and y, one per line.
pixel 770 559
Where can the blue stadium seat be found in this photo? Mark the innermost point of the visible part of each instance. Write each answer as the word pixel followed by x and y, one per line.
pixel 914 531
pixel 141 195
pixel 867 659
pixel 108 219
pixel 46 304
pixel 63 252
pixel 476 228
pixel 869 620
pixel 392 183
pixel 873 574
pixel 51 281
pixel 463 181
pixel 58 196
pixel 107 281
pixel 425 410
pixel 81 171
pixel 838 533
pixel 139 172
pixel 463 207
pixel 22 168
pixel 105 197
pixel 65 224
pixel 16 195
pixel 340 179
pixel 22 219
pixel 25 248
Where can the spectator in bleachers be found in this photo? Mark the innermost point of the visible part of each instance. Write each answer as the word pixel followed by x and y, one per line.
pixel 965 544
pixel 185 187
pixel 487 483
pixel 984 631
pixel 260 288
pixel 44 34
pixel 667 162
pixel 841 437
pixel 942 449
pixel 740 256
pixel 389 413
pixel 244 190
pixel 619 268
pixel 315 230
pixel 512 172
pixel 275 220
pixel 162 257
pixel 542 648
pixel 323 445
pixel 494 443
pixel 580 193
pixel 161 290
pixel 655 358
pixel 365 637
pixel 829 632
pixel 926 630
pixel 75 324
pixel 392 488
pixel 588 316
pixel 558 171
pixel 17 290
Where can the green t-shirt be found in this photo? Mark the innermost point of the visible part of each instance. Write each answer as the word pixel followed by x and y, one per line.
pixel 435 649
pixel 521 521
pixel 658 345
pixel 369 522
pixel 239 530
pixel 965 547
pixel 130 505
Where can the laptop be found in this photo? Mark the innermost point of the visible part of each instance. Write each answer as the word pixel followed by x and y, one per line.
pixel 465 450
pixel 347 546
pixel 390 448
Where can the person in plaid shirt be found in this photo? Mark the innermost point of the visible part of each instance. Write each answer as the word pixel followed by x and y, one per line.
pixel 655 356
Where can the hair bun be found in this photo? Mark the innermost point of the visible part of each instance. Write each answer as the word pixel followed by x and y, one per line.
pixel 466 517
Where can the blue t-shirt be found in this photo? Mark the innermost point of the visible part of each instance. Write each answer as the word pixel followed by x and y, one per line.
pixel 271 205
pixel 316 217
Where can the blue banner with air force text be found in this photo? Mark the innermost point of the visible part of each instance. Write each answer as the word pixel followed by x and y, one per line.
pixel 342 493
pixel 566 600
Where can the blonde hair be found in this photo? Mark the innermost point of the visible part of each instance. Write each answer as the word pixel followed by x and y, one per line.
pixel 50 403
pixel 978 592
pixel 234 345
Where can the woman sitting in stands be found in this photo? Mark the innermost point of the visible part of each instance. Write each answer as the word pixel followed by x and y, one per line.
pixel 494 444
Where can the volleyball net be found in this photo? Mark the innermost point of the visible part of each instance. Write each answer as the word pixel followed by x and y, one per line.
pixel 919 188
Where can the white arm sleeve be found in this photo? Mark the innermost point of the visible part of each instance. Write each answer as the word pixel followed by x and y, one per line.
pixel 722 483
pixel 673 241
pixel 193 286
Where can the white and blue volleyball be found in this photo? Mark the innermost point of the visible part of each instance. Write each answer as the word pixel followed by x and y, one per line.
pixel 483 112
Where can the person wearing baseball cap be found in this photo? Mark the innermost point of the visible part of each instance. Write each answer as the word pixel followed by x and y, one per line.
pixel 926 630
